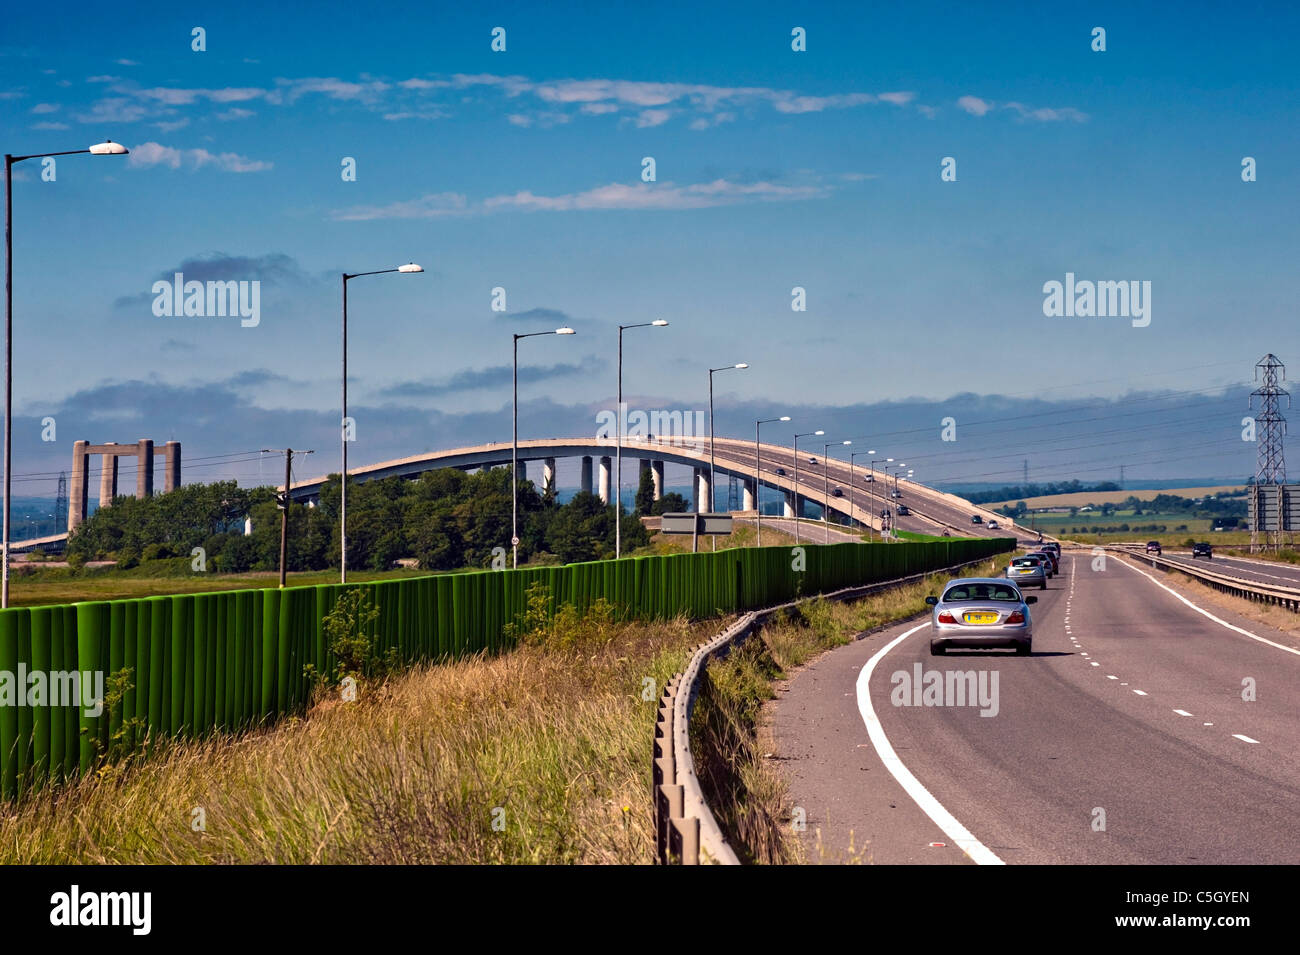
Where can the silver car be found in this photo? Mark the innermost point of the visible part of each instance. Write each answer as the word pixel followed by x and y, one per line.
pixel 1027 570
pixel 981 613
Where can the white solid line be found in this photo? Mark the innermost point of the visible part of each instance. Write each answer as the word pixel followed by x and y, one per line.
pixel 959 834
pixel 1245 633
pixel 1109 677
pixel 1244 739
pixel 1140 692
pixel 1094 664
pixel 1182 713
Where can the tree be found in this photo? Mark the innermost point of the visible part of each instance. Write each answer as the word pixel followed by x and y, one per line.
pixel 645 493
pixel 670 503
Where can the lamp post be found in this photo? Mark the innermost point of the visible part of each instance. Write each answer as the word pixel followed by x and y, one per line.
pixel 409 268
pixel 107 148
pixel 514 446
pixel 806 434
pixel 758 475
pixel 618 468
pixel 741 365
pixel 853 485
pixel 874 462
pixel 826 492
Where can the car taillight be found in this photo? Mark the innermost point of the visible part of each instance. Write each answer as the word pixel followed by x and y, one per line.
pixel 1016 617
pixel 946 617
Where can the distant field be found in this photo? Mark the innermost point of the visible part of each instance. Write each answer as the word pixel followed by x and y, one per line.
pixel 1080 498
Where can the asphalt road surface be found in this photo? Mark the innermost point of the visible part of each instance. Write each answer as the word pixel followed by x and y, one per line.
pixel 1131 705
pixel 1267 572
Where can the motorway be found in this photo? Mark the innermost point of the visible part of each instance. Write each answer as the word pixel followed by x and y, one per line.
pixel 932 510
pixel 1267 572
pixel 1131 705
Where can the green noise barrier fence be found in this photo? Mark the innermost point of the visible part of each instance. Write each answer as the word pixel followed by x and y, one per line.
pixel 226 661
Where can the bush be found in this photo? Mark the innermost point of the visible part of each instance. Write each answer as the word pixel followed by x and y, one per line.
pixel 157 552
pixel 127 558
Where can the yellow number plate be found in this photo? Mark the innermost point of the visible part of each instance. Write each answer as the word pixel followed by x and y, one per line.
pixel 977 617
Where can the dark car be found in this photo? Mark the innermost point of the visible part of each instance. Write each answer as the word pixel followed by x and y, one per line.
pixel 976 519
pixel 903 511
pixel 1203 549
pixel 781 471
pixel 837 492
pixel 1049 561
pixel 1153 547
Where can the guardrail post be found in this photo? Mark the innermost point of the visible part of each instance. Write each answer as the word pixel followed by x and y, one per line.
pixel 669 800
pixel 686 840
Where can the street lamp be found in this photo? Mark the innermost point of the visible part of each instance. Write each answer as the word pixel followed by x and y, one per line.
pixel 758 475
pixel 853 485
pixel 410 267
pixel 741 366
pixel 874 462
pixel 107 148
pixel 806 434
pixel 826 492
pixel 514 449
pixel 618 468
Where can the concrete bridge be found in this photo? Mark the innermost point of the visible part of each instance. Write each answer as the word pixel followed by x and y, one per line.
pixel 862 494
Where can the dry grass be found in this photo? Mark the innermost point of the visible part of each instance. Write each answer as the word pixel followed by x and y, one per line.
pixel 742 535
pixel 556 735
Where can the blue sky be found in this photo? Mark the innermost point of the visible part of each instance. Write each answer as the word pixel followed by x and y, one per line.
pixel 522 170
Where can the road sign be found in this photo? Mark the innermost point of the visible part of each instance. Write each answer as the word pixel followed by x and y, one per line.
pixel 686 523
pixel 514 542
pixel 1274 500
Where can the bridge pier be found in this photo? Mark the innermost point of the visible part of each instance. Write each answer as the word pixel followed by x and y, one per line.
pixel 548 473
pixel 586 474
pixel 108 479
pixel 606 467
pixel 144 469
pixel 747 496
pixel 657 471
pixel 789 503
pixel 171 467
pixel 703 491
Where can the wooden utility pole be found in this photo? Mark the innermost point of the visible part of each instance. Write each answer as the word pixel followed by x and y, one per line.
pixel 282 502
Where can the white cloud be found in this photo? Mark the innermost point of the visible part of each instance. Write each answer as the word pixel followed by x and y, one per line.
pixel 653 117
pixel 170 126
pixel 126 62
pixel 665 195
pixel 48 125
pixel 155 154
pixel 974 105
pixel 40 108
pixel 235 113
pixel 979 107
pixel 426 207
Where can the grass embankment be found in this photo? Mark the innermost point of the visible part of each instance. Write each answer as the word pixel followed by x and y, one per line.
pixel 61 585
pixel 730 740
pixel 555 735
pixel 742 535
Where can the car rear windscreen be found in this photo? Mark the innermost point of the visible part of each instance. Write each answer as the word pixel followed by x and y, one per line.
pixel 968 592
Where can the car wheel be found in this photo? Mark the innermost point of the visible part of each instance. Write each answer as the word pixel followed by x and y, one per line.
pixel 1024 649
pixel 1043 585
pixel 937 651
